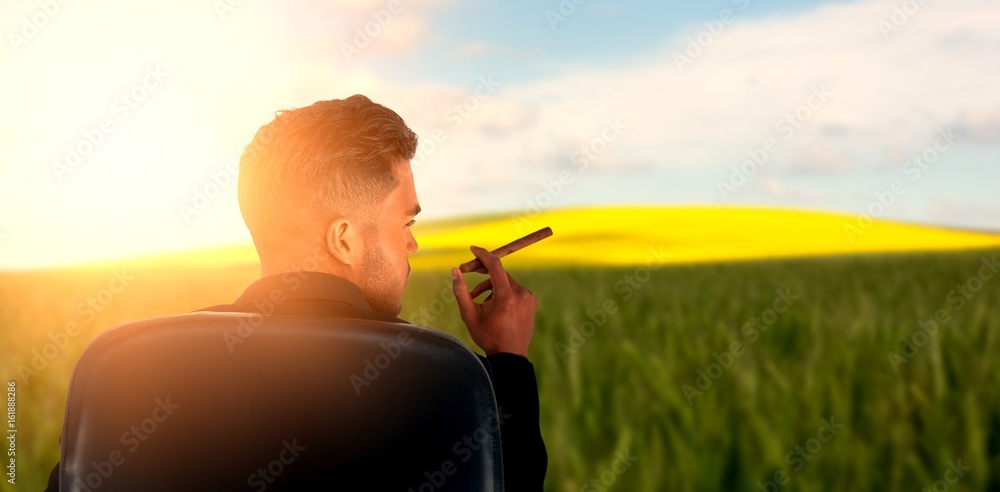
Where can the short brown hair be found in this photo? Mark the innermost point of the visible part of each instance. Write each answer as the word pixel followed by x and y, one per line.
pixel 335 156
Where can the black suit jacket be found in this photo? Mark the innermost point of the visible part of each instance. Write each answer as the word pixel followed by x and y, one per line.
pixel 330 297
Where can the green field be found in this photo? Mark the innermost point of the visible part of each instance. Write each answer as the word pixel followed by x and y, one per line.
pixel 619 384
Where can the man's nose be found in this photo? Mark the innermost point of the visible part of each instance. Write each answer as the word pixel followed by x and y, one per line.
pixel 412 247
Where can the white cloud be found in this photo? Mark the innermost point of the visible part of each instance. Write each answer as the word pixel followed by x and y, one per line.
pixel 476 48
pixel 818 159
pixel 982 125
pixel 964 214
pixel 885 95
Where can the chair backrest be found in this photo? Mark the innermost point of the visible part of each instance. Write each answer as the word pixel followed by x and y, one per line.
pixel 236 401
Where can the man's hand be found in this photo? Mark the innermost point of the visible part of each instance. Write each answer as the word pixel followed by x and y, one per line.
pixel 505 320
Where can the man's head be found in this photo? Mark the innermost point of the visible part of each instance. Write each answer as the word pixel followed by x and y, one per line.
pixel 329 188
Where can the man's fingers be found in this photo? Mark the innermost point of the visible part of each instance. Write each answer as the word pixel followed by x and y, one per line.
pixel 513 283
pixel 483 286
pixel 501 282
pixel 466 306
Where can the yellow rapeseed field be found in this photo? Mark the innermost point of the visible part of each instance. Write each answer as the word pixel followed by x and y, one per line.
pixel 633 235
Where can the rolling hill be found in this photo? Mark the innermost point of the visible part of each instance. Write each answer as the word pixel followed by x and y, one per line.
pixel 635 235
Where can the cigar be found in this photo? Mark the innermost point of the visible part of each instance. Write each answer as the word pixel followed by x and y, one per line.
pixel 477 266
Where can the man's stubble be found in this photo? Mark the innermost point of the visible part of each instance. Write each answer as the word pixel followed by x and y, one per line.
pixel 377 279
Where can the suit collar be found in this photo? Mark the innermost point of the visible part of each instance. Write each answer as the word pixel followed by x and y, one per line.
pixel 284 289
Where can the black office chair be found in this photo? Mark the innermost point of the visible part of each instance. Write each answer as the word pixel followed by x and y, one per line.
pixel 234 401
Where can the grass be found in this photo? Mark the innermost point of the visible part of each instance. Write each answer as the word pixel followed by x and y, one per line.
pixel 618 385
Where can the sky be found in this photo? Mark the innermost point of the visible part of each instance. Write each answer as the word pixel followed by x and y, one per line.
pixel 122 120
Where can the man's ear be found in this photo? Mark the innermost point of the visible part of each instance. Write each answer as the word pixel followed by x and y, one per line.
pixel 344 241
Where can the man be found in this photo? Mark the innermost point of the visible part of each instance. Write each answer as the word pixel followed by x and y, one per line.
pixel 327 189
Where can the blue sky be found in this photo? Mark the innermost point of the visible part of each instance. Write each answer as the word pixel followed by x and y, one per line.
pixel 532 43
pixel 670 98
